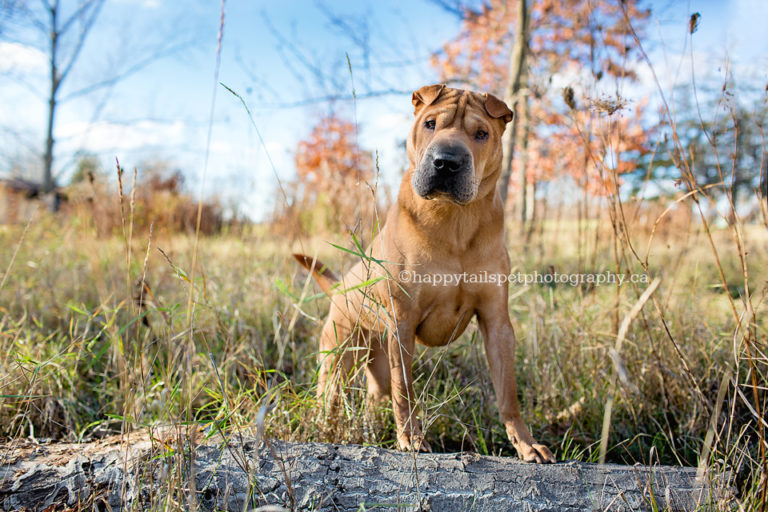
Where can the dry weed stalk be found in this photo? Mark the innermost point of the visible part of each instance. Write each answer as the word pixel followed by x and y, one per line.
pixel 749 337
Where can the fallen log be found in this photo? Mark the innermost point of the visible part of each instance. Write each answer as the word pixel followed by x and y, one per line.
pixel 242 474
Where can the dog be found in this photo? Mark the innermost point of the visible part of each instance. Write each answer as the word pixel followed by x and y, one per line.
pixel 448 220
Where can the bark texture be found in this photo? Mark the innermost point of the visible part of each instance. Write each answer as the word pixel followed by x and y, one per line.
pixel 517 79
pixel 244 474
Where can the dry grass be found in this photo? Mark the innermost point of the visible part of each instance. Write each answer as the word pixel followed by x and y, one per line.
pixel 79 361
pixel 153 196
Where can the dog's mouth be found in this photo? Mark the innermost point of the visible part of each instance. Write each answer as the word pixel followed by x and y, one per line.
pixel 440 195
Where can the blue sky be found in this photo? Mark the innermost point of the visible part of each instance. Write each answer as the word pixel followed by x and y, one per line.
pixel 268 55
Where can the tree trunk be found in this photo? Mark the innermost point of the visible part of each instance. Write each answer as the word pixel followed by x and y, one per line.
pixel 244 473
pixel 525 197
pixel 48 183
pixel 515 81
pixel 532 212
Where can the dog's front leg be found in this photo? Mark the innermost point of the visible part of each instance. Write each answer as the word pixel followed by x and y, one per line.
pixel 499 339
pixel 401 349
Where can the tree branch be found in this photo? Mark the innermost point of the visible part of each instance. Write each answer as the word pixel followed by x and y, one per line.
pixel 85 29
pixel 455 7
pixel 135 68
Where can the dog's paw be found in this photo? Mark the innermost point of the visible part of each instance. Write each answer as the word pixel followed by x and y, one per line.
pixel 415 443
pixel 535 452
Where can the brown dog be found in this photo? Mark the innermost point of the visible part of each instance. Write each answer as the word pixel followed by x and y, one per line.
pixel 448 221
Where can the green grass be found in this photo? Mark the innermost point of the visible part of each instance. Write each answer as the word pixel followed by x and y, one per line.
pixel 78 362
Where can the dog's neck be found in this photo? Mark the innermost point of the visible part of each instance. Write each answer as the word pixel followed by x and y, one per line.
pixel 451 223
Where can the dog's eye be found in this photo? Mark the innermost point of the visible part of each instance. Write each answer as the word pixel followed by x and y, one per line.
pixel 481 135
pixel 430 124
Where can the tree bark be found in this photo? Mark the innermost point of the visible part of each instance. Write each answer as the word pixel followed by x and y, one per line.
pixel 48 184
pixel 525 120
pixel 245 473
pixel 516 72
pixel 533 213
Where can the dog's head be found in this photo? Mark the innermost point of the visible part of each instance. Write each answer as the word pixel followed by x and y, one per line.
pixel 455 143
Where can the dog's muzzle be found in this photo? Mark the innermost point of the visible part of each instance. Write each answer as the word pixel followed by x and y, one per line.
pixel 445 170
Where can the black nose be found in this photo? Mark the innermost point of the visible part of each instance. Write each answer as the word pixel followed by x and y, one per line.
pixel 447 162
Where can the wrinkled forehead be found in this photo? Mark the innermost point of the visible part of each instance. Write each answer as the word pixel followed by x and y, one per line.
pixel 458 104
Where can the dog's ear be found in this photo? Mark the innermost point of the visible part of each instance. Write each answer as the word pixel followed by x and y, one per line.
pixel 426 95
pixel 497 109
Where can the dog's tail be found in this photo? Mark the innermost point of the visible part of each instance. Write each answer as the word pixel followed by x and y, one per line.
pixel 322 274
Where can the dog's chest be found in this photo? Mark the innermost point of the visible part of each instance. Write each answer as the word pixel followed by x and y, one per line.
pixel 445 300
pixel 443 281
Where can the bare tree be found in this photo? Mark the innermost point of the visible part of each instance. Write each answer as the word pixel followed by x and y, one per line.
pixel 60 65
pixel 62 32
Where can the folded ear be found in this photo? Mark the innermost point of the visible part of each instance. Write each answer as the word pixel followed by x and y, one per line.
pixel 497 108
pixel 426 95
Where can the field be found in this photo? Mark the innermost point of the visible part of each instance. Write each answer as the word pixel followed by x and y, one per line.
pixel 225 334
pixel 633 166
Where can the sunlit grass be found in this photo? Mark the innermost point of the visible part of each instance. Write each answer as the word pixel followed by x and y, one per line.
pixel 79 360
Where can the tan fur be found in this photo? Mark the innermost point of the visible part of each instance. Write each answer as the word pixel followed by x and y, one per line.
pixel 438 235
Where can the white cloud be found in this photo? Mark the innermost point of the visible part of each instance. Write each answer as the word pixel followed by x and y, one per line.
pixel 21 58
pixel 105 136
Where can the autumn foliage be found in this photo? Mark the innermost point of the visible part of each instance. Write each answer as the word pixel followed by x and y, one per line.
pixel 583 45
pixel 588 141
pixel 332 186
